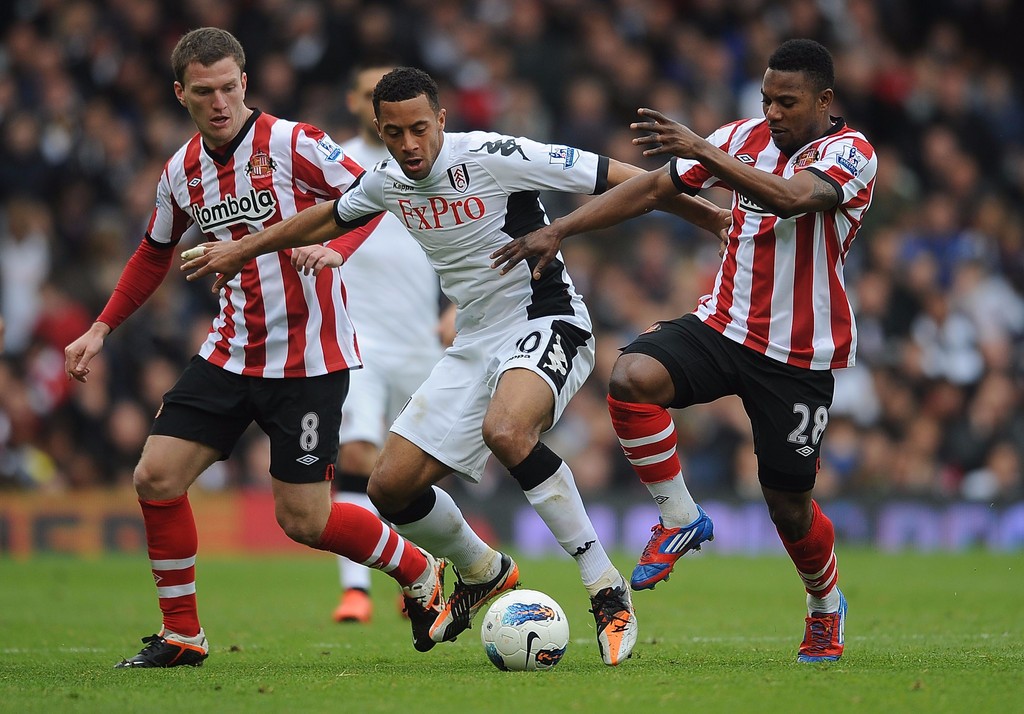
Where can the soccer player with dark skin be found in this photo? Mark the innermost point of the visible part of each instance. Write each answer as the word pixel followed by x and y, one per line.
pixel 775 327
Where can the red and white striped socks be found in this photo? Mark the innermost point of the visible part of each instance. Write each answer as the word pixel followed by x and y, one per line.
pixel 648 438
pixel 358 534
pixel 172 542
pixel 815 560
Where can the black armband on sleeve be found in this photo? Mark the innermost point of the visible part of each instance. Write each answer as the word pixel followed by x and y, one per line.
pixel 161 246
pixel 683 187
pixel 831 181
pixel 602 175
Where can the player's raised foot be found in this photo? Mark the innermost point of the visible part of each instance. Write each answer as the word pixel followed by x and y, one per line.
pixel 823 635
pixel 355 606
pixel 467 599
pixel 424 601
pixel 616 623
pixel 666 546
pixel 169 649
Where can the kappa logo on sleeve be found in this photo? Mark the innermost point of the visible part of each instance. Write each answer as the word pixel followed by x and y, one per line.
pixel 507 147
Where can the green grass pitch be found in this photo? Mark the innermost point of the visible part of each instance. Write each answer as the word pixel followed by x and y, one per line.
pixel 925 633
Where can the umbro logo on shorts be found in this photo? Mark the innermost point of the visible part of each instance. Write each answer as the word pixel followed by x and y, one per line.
pixel 308 459
pixel 805 451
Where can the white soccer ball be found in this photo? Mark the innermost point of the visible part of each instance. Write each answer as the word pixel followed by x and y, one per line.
pixel 524 630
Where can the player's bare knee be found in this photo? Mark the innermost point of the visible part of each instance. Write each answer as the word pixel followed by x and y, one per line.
pixel 387 495
pixel 299 527
pixel 790 515
pixel 508 441
pixel 152 484
pixel 631 381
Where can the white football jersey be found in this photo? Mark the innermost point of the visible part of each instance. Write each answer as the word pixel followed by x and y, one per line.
pixel 391 288
pixel 482 191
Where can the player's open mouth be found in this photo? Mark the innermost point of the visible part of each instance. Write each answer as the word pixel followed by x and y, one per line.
pixel 413 164
pixel 220 122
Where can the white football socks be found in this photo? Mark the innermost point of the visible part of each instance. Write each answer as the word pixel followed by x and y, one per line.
pixel 674 501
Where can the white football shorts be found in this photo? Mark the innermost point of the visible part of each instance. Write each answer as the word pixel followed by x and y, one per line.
pixel 446 414
pixel 379 390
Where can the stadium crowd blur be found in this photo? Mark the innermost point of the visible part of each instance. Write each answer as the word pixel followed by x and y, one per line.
pixel 934 407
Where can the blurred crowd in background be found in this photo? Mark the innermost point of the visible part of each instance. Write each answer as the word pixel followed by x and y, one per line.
pixel 934 407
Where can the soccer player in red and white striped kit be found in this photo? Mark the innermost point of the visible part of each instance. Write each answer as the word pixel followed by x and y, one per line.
pixel 279 352
pixel 776 325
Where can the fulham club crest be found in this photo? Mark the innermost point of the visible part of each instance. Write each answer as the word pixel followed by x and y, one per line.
pixel 260 164
pixel 458 177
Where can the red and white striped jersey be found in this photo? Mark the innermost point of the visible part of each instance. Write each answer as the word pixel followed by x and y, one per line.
pixel 273 322
pixel 780 289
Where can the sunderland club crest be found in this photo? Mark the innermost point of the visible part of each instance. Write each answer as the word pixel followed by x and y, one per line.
pixel 260 164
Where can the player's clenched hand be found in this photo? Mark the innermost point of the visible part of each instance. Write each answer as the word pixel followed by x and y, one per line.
pixel 223 257
pixel 543 243
pixel 665 137
pixel 311 259
pixel 79 353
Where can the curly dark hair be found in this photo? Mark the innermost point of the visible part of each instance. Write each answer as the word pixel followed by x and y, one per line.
pixel 207 46
pixel 805 56
pixel 404 83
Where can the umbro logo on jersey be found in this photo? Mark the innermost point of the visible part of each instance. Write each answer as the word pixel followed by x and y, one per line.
pixel 308 459
pixel 505 148
pixel 254 207
pixel 195 182
pixel 746 158
pixel 458 177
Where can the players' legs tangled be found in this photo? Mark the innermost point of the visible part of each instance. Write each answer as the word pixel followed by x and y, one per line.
pixel 520 410
pixel 402 487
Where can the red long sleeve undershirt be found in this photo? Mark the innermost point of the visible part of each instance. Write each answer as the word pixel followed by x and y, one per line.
pixel 347 243
pixel 145 270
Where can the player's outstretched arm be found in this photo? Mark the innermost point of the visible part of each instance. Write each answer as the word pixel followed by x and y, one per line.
pixel 802 193
pixel 315 224
pixel 642 193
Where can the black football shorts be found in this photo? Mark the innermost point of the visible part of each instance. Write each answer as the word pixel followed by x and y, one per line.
pixel 787 405
pixel 301 415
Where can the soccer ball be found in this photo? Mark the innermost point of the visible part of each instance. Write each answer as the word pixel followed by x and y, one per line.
pixel 524 630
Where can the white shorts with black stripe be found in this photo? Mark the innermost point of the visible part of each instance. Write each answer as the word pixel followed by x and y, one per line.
pixel 445 415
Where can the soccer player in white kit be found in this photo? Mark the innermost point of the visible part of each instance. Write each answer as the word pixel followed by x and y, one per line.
pixel 397 331
pixel 523 346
